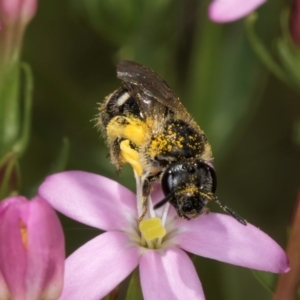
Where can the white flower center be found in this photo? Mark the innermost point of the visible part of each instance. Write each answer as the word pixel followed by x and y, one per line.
pixel 157 229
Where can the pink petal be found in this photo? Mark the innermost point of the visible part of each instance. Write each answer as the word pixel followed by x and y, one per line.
pixel 295 22
pixel 17 11
pixel 31 249
pixel 13 254
pixel 230 10
pixel 156 196
pixel 169 274
pixel 10 9
pixel 99 266
pixel 4 294
pixel 46 251
pixel 16 200
pixel 29 9
pixel 221 237
pixel 90 199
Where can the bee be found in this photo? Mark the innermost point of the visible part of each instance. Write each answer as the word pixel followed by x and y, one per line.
pixel 147 126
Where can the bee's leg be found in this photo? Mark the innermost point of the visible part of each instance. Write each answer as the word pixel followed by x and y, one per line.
pixel 205 210
pixel 230 211
pixel 146 189
pixel 115 154
pixel 155 177
pixel 185 217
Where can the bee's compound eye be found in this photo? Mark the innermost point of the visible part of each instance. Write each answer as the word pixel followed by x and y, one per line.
pixel 208 171
pixel 167 182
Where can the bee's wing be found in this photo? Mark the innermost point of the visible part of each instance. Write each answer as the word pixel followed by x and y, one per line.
pixel 150 89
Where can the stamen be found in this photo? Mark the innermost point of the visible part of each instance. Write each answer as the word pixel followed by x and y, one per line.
pixel 152 229
pixel 24 233
pixel 163 220
pixel 165 213
pixel 151 210
pixel 138 192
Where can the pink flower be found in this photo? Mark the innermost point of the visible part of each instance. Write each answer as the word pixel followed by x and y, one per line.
pixel 17 11
pixel 14 17
pixel 166 271
pixel 31 250
pixel 222 11
pixel 295 22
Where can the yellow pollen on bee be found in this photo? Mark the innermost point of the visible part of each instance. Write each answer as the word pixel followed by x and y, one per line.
pixel 208 196
pixel 207 153
pixel 135 133
pixel 131 156
pixel 165 142
pixel 24 233
pixel 152 229
pixel 190 190
pixel 129 128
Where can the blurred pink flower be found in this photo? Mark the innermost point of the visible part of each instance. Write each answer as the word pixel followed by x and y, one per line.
pixel 32 250
pixel 295 22
pixel 166 271
pixel 17 11
pixel 223 11
pixel 14 17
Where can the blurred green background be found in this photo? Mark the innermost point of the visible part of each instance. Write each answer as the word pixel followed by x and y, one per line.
pixel 252 120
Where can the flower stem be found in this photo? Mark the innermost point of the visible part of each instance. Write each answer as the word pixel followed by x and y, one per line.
pixel 163 220
pixel 288 283
pixel 261 51
pixel 134 290
pixel 23 140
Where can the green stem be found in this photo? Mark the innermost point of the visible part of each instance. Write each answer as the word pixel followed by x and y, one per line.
pixel 21 144
pixel 134 290
pixel 261 51
pixel 5 186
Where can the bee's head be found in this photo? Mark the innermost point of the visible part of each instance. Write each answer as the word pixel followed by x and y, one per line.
pixel 188 186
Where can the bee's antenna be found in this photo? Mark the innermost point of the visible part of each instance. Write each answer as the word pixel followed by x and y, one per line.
pixel 164 201
pixel 230 211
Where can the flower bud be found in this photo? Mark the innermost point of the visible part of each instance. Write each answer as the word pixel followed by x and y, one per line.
pixel 14 17
pixel 31 250
pixel 17 11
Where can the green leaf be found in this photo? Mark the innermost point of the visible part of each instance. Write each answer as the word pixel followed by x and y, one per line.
pixel 116 19
pixel 289 69
pixel 9 107
pixel 134 290
pixel 268 280
pixel 262 52
pixel 290 60
pixel 62 158
pixel 57 166
pixel 22 142
pixel 225 83
pixel 10 176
